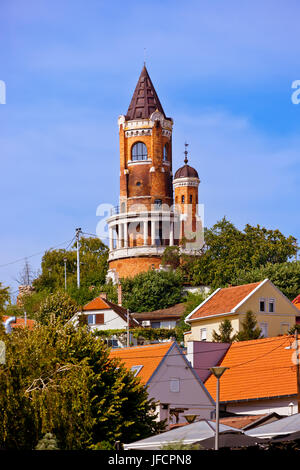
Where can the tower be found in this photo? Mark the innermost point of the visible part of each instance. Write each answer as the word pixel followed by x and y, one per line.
pixel 144 222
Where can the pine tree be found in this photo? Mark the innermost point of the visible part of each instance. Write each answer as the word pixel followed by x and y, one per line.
pixel 225 329
pixel 250 329
pixel 48 442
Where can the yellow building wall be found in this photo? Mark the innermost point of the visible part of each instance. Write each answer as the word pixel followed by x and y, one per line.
pixel 210 325
pixel 278 323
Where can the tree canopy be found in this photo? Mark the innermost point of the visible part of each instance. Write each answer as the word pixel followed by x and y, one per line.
pixel 228 250
pixel 225 333
pixel 152 290
pixel 250 329
pixel 61 381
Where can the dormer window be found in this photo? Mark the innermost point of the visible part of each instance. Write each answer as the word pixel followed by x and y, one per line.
pixel 139 152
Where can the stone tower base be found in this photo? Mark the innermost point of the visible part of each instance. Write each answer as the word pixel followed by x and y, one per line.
pixel 129 267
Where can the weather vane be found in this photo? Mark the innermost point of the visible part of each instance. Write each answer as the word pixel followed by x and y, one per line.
pixel 186 152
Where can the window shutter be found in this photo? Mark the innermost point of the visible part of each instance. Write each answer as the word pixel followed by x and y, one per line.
pixel 99 318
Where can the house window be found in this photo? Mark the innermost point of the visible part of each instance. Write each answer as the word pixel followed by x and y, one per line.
pixel 91 319
pixel 203 334
pixel 284 328
pixel 174 385
pixel 155 324
pixel 262 306
pixel 271 305
pixel 264 330
pixel 99 318
pixel 112 343
pixel 139 151
pixel 136 369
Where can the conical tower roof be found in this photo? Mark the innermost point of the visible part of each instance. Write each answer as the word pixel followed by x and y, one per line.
pixel 145 100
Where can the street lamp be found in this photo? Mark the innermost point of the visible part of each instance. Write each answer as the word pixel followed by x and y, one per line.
pixel 218 372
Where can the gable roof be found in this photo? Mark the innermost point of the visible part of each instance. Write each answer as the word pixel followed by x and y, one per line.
pixel 224 300
pixel 296 301
pixel 20 322
pixel 174 312
pixel 149 357
pixel 99 303
pixel 261 368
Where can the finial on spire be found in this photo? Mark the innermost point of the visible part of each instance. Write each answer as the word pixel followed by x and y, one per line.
pixel 144 56
pixel 186 152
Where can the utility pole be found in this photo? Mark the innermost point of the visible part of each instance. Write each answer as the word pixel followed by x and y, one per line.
pixel 78 232
pixel 65 263
pixel 127 328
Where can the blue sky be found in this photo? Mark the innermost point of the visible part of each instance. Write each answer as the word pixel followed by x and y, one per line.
pixel 223 72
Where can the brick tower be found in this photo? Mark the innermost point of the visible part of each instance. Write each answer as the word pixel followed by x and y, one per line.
pixel 145 221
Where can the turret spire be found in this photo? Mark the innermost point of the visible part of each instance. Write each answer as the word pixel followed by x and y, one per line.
pixel 186 153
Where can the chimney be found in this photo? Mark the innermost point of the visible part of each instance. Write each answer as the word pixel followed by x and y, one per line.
pixel 103 295
pixel 120 295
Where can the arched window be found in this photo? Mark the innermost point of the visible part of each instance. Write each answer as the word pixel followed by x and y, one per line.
pixel 139 151
pixel 182 199
pixel 165 155
pixel 191 198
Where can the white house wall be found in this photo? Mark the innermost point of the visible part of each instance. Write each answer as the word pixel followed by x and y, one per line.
pixel 283 406
pixel 112 321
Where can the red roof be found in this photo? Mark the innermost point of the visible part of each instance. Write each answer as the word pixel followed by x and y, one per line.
pixel 100 303
pixel 149 357
pixel 20 322
pixel 261 368
pixel 296 301
pixel 224 300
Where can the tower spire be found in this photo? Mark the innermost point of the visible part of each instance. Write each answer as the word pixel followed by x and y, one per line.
pixel 144 100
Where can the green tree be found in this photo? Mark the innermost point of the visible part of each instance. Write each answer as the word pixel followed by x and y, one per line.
pixel 48 442
pixel 4 297
pixel 225 332
pixel 54 306
pixel 285 276
pixel 228 250
pixel 61 380
pixel 93 268
pixel 171 257
pixel 250 329
pixel 152 290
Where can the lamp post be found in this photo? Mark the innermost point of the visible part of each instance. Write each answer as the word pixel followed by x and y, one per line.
pixel 218 372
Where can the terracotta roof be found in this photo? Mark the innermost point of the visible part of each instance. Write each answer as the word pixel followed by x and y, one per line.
pixel 148 356
pixel 240 422
pixel 145 100
pixel 186 171
pixel 20 322
pixel 224 300
pixel 176 311
pixel 296 301
pixel 261 368
pixel 103 304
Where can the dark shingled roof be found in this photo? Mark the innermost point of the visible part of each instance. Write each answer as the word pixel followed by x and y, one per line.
pixel 186 171
pixel 145 100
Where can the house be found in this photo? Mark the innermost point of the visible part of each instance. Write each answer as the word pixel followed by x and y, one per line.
pixel 261 377
pixel 163 318
pixel 101 314
pixel 275 313
pixel 170 380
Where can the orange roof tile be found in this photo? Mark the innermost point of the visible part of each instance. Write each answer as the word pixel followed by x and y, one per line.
pixel 224 300
pixel 148 356
pixel 296 301
pixel 240 422
pixel 257 369
pixel 97 304
pixel 20 322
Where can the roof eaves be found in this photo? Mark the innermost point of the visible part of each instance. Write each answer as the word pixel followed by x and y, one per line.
pixel 285 297
pixel 249 295
pixel 212 316
pixel 199 306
